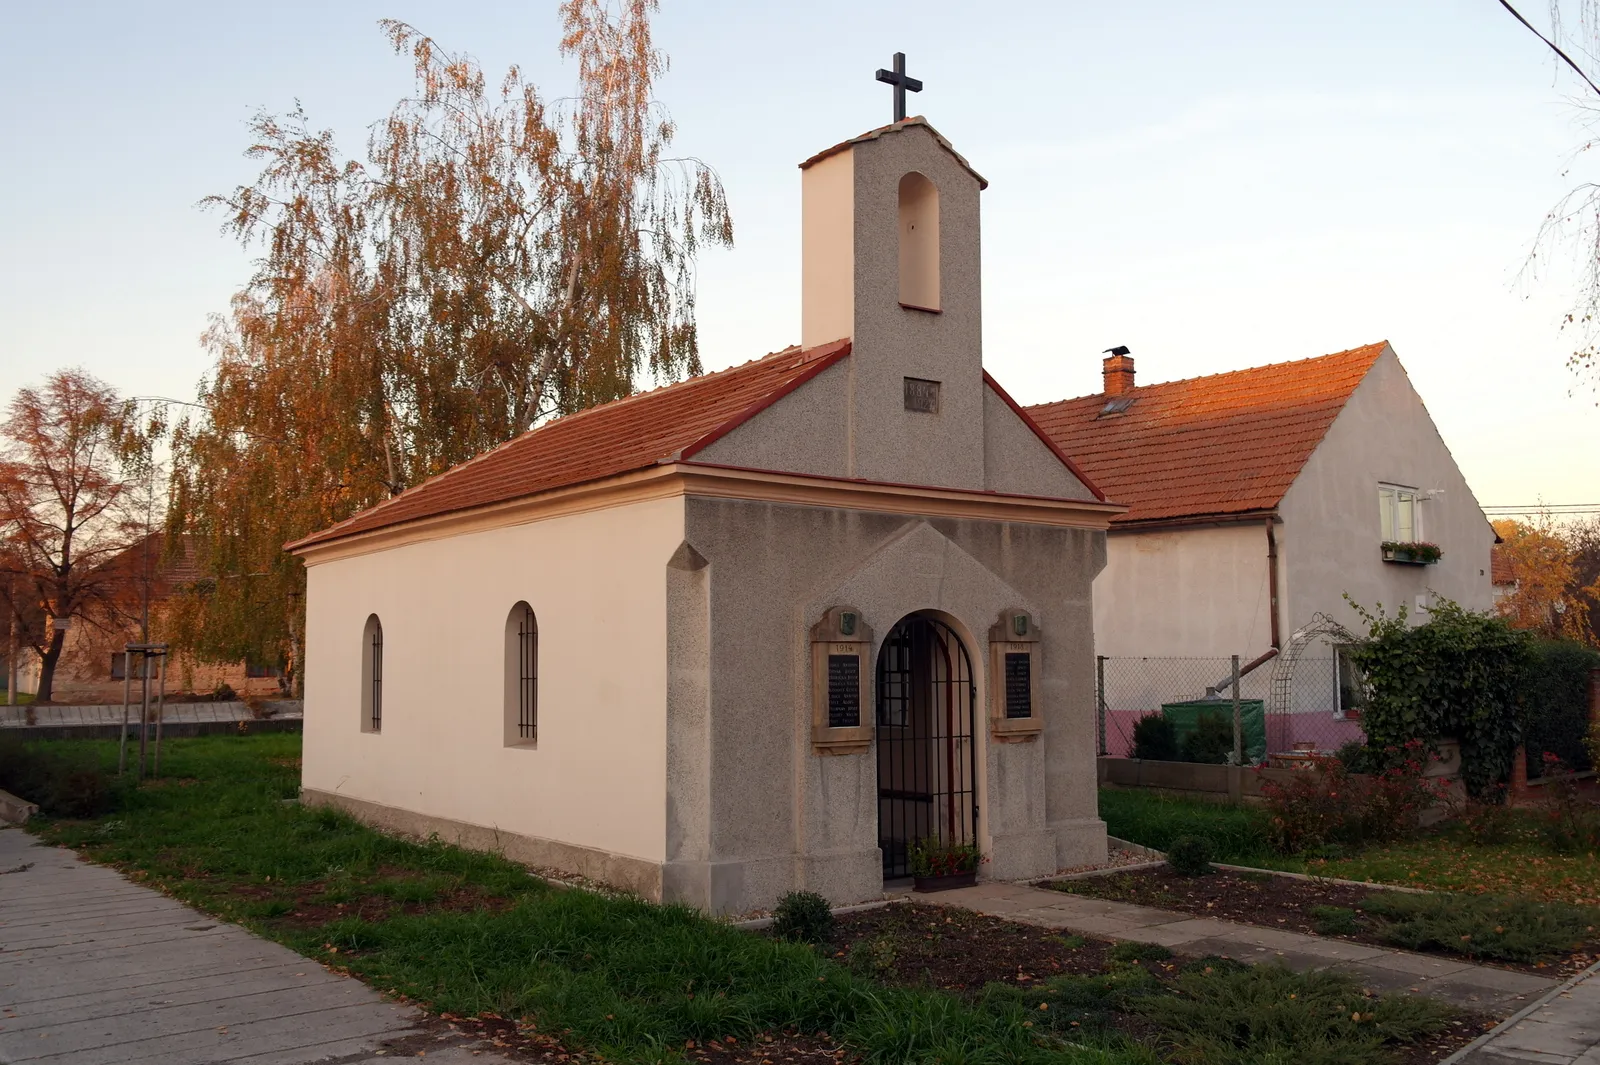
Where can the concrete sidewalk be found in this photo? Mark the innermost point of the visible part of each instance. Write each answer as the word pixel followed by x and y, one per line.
pixel 1561 1029
pixel 96 970
pixel 1478 987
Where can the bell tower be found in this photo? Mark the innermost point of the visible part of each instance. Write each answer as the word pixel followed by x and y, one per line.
pixel 890 258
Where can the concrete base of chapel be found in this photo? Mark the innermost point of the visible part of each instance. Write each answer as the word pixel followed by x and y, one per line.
pixel 1079 841
pixel 640 876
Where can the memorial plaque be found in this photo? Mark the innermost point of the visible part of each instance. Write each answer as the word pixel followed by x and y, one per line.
pixel 1019 684
pixel 844 691
pixel 922 396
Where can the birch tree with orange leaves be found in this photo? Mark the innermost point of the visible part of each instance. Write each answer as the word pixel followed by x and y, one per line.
pixel 497 257
pixel 65 510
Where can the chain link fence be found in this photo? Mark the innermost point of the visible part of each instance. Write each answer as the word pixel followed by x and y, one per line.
pixel 1299 699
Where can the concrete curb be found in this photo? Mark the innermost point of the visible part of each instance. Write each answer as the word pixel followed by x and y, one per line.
pixel 1087 873
pixel 1324 879
pixel 757 923
pixel 1526 1011
pixel 1133 848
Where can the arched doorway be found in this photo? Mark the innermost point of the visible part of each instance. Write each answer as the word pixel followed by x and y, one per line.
pixel 927 746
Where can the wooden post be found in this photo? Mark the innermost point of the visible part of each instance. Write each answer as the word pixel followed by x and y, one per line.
pixel 122 739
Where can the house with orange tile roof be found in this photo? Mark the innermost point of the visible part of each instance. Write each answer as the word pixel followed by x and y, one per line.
pixel 1257 501
pixel 767 629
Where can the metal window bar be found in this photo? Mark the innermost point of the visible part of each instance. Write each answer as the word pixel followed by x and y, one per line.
pixel 377 678
pixel 927 749
pixel 527 676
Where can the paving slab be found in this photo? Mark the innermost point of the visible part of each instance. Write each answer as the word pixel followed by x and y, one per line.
pixel 1562 1027
pixel 1498 991
pixel 97 970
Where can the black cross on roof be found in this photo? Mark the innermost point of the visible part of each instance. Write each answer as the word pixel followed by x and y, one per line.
pixel 902 84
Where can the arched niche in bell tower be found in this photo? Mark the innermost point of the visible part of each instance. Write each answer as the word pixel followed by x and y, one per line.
pixel 919 242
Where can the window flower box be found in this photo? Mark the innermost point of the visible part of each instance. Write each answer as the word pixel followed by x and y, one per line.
pixel 1414 553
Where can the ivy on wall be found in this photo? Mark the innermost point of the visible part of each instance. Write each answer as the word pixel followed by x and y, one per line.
pixel 1458 676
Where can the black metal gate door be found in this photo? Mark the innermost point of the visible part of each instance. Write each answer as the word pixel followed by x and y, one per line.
pixel 927 750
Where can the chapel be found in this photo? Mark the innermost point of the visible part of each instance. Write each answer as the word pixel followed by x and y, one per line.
pixel 762 630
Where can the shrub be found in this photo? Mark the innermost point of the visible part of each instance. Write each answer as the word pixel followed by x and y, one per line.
pixel 803 917
pixel 1211 741
pixel 1326 805
pixel 1190 856
pixel 1265 1013
pixel 1334 920
pixel 1130 951
pixel 1355 757
pixel 1155 739
pixel 931 857
pixel 1555 704
pixel 64 781
pixel 1479 926
pixel 1487 821
pixel 1457 676
pixel 1568 822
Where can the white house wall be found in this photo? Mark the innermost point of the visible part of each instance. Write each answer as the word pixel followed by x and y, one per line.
pixel 595 784
pixel 1198 591
pixel 1331 530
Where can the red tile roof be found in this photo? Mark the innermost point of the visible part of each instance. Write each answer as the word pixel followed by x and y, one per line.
pixel 1501 572
pixel 627 434
pixel 1226 444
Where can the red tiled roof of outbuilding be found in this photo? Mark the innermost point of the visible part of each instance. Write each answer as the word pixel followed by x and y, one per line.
pixel 627 434
pixel 1501 572
pixel 1230 443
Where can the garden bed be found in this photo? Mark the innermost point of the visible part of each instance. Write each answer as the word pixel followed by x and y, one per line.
pixel 1071 982
pixel 1512 933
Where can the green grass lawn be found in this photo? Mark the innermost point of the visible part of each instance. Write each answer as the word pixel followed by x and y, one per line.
pixel 1443 860
pixel 467 933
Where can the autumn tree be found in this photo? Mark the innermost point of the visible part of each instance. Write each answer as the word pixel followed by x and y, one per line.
pixel 1548 597
pixel 64 509
pixel 1571 35
pixel 496 258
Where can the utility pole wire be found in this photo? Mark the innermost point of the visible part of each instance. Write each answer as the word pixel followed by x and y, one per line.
pixel 1552 45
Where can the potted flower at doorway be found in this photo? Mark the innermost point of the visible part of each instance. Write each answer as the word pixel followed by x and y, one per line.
pixel 939 866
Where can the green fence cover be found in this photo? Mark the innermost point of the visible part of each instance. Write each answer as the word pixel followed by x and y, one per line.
pixel 1185 718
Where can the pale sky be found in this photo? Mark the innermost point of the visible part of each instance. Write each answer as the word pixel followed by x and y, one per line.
pixel 1214 185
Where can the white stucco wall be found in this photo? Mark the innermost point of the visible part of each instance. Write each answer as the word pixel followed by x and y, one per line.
pixel 597 777
pixel 1199 591
pixel 1330 535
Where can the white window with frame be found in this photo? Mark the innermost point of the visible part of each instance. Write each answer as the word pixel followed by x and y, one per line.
pixel 1399 516
pixel 1350 685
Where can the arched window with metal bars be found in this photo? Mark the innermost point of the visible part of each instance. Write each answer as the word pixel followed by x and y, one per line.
pixel 372 675
pixel 522 677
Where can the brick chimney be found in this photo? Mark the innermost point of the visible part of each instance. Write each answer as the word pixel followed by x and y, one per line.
pixel 1118 370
